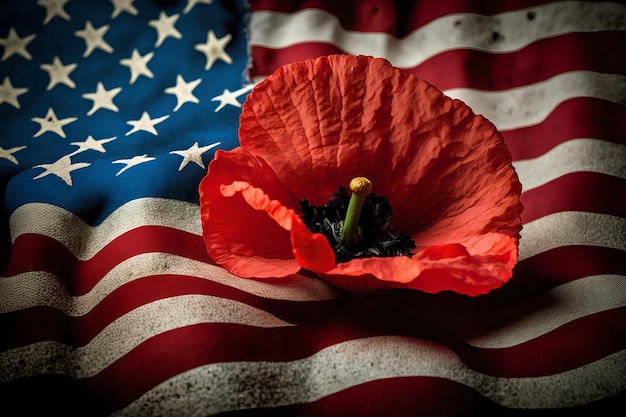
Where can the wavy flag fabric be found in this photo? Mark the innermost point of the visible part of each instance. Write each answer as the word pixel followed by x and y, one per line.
pixel 110 112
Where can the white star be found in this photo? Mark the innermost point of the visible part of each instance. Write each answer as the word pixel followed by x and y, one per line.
pixel 91 144
pixel 8 153
pixel 61 169
pixel 191 3
pixel 102 99
pixel 228 97
pixel 13 44
pixel 145 123
pixel 138 65
pixel 54 8
pixel 9 94
pixel 183 91
pixel 213 48
pixel 193 154
pixel 164 26
pixel 123 6
pixel 135 160
pixel 94 38
pixel 59 73
pixel 51 123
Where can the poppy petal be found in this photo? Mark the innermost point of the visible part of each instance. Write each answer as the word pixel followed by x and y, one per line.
pixel 245 228
pixel 437 268
pixel 311 250
pixel 452 267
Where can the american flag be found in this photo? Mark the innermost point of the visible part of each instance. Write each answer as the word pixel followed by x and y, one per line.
pixel 110 113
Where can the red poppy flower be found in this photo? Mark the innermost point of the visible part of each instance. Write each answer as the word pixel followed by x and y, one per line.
pixel 313 126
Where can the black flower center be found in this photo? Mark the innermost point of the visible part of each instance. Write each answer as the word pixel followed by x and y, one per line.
pixel 375 236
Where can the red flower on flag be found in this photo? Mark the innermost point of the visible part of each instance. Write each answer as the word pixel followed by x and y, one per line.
pixel 313 126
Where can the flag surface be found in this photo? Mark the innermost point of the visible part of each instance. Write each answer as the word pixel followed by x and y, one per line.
pixel 110 112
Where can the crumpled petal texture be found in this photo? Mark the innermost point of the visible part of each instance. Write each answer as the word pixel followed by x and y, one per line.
pixel 243 228
pixel 313 125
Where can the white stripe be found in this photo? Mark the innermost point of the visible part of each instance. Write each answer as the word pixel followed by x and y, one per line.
pixel 85 241
pixel 542 314
pixel 568 228
pixel 532 104
pixel 31 289
pixel 221 387
pixel 126 333
pixel 575 155
pixel 464 30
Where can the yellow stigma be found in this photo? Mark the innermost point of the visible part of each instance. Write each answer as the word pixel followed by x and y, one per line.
pixel 360 187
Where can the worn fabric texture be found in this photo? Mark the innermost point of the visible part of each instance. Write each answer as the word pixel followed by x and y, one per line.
pixel 110 113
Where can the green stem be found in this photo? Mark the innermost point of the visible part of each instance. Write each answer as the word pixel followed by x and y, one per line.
pixel 360 188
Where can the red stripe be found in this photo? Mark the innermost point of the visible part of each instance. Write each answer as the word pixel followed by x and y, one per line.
pixel 580 191
pixel 396 18
pixel 552 352
pixel 469 68
pixel 265 61
pixel 582 117
pixel 536 62
pixel 33 252
pixel 560 265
